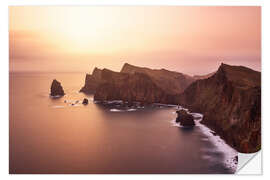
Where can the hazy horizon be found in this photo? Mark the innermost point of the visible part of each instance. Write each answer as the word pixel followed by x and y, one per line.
pixel 33 71
pixel 190 40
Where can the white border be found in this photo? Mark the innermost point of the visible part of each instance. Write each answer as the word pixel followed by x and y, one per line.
pixel 4 73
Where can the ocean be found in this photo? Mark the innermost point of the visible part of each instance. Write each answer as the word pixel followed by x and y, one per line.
pixel 49 136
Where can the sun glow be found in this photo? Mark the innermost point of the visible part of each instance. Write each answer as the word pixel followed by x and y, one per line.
pixel 46 37
pixel 78 30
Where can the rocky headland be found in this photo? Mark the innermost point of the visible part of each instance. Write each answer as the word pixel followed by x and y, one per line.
pixel 229 99
pixel 138 84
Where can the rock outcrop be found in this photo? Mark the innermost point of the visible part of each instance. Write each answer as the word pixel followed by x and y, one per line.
pixel 230 101
pixel 85 101
pixel 185 119
pixel 56 89
pixel 169 81
pixel 137 87
pixel 92 81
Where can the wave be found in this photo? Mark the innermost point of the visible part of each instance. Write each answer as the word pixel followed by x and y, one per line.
pixel 114 102
pixel 132 110
pixel 116 110
pixel 55 97
pixel 220 144
pixel 122 110
pixel 58 106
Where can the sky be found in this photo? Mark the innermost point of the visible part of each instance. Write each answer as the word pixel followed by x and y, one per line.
pixel 191 40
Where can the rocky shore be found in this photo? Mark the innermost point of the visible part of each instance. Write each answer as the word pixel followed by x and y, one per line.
pixel 229 99
pixel 185 119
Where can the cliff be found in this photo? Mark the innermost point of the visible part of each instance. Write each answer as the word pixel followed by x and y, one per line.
pixel 170 81
pixel 92 81
pixel 230 101
pixel 137 87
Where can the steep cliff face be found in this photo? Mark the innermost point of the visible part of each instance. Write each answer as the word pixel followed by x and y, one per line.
pixel 169 81
pixel 230 99
pixel 231 103
pixel 92 81
pixel 130 87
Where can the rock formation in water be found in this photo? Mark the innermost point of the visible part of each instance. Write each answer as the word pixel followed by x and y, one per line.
pixel 185 119
pixel 56 89
pixel 230 101
pixel 85 101
pixel 169 81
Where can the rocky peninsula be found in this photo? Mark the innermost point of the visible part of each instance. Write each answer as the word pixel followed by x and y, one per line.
pixel 229 99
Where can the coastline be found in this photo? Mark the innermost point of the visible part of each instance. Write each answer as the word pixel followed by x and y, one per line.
pixel 230 154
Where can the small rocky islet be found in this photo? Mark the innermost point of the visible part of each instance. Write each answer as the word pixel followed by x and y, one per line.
pixel 185 119
pixel 56 89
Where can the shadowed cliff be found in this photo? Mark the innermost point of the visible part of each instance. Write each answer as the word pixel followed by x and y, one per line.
pixel 169 81
pixel 230 101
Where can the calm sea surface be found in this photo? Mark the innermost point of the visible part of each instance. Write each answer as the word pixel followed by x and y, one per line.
pixel 51 136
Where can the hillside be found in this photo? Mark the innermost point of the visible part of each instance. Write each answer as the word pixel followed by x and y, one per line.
pixel 231 103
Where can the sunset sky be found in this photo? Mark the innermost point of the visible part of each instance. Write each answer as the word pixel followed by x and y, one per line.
pixel 192 40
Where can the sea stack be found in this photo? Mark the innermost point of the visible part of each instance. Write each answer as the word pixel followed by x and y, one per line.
pixel 185 119
pixel 56 89
pixel 85 101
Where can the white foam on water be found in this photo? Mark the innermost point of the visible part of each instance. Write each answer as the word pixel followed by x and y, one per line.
pixel 132 110
pixel 57 96
pixel 174 123
pixel 221 145
pixel 57 106
pixel 116 110
pixel 121 110
pixel 115 101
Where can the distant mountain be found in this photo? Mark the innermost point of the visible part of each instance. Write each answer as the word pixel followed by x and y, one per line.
pixel 203 76
pixel 230 101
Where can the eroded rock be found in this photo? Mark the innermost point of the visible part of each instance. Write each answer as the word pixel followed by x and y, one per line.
pixel 185 119
pixel 56 89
